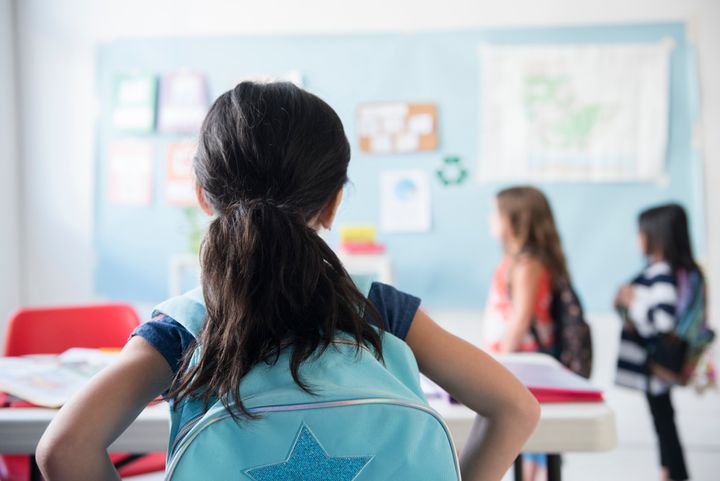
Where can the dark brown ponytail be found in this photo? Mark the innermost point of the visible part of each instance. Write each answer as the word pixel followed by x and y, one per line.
pixel 271 157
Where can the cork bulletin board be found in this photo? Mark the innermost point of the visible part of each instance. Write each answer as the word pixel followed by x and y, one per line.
pixel 397 127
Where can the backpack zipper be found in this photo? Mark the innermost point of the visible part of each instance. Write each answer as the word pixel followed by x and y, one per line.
pixel 184 430
pixel 298 407
pixel 191 423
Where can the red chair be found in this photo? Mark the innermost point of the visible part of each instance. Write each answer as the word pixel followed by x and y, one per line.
pixel 53 330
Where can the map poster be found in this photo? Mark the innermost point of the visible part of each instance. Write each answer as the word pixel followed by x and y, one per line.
pixel 589 113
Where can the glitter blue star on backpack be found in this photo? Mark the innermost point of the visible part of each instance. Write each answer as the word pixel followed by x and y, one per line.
pixel 308 461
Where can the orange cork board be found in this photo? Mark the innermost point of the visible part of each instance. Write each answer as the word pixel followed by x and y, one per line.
pixel 397 127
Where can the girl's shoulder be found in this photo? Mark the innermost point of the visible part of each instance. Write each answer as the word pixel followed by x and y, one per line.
pixel 654 273
pixel 168 337
pixel 658 268
pixel 172 339
pixel 530 260
pixel 396 308
pixel 531 264
pixel 522 260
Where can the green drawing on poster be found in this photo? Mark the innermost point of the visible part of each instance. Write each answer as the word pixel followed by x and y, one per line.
pixel 556 115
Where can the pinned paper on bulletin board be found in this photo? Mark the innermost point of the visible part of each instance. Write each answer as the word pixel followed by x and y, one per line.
pixel 130 173
pixel 397 127
pixel 184 100
pixel 405 201
pixel 179 189
pixel 134 103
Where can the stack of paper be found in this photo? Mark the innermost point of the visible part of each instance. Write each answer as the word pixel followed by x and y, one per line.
pixel 550 383
pixel 50 381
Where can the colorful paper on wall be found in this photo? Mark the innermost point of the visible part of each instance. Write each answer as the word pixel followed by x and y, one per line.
pixel 357 233
pixel 134 103
pixel 405 201
pixel 578 112
pixel 130 173
pixel 397 127
pixel 184 101
pixel 179 188
pixel 360 239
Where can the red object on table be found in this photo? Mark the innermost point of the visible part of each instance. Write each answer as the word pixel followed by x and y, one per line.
pixel 554 383
pixel 53 330
pixel 562 396
pixel 362 248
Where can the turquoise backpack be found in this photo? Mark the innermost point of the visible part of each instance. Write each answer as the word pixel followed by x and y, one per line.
pixel 367 421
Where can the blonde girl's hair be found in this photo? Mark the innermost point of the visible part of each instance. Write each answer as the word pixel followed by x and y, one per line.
pixel 528 212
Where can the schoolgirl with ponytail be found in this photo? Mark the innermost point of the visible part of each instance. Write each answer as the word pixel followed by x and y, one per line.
pixel 270 168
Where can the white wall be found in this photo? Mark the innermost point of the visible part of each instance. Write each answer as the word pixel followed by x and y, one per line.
pixel 55 63
pixel 9 230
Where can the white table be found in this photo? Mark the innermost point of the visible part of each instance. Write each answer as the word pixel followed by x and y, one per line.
pixel 563 427
pixel 21 429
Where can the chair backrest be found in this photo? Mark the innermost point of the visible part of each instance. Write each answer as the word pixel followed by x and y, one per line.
pixel 53 330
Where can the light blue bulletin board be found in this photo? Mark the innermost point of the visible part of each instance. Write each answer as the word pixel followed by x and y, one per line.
pixel 450 266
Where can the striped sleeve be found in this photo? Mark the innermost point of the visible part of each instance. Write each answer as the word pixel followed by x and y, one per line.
pixel 654 301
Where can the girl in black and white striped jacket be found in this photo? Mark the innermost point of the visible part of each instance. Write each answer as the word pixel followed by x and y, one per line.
pixel 650 302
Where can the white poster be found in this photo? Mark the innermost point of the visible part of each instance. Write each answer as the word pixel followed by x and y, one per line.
pixel 405 201
pixel 595 112
pixel 130 173
pixel 184 101
pixel 179 185
pixel 134 103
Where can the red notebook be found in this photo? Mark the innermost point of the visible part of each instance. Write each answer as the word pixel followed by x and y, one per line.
pixel 551 383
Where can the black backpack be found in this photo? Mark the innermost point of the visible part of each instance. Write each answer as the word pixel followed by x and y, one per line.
pixel 573 340
pixel 572 344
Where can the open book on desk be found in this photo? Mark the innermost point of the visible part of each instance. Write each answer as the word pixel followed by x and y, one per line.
pixel 50 380
pixel 548 382
pixel 553 383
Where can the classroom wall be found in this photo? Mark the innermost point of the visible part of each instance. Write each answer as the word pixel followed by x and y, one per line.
pixel 55 62
pixel 9 232
pixel 450 265
pixel 56 43
pixel 56 53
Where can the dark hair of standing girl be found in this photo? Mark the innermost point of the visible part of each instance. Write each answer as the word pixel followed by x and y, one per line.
pixel 666 234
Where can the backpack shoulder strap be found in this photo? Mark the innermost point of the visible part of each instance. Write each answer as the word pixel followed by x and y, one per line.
pixel 187 309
